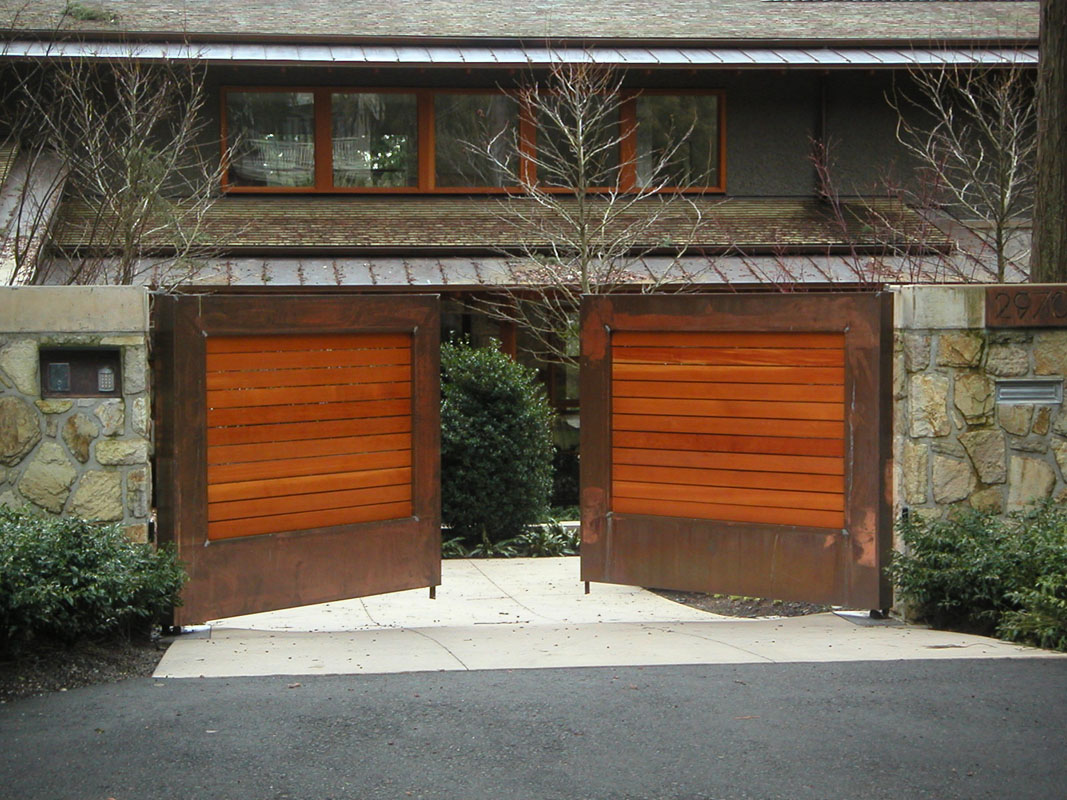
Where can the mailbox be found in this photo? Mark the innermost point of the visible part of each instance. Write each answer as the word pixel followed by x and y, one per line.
pixel 81 372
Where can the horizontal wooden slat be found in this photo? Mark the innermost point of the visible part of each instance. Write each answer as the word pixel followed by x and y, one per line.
pixel 315 341
pixel 777 356
pixel 729 513
pixel 751 409
pixel 268 451
pixel 833 484
pixel 243 398
pixel 783 429
pixel 819 393
pixel 724 339
pixel 325 376
pixel 308 484
pixel 297 431
pixel 696 459
pixel 352 498
pixel 722 443
pixel 296 467
pixel 390 407
pixel 300 359
pixel 730 495
pixel 748 374
pixel 308 520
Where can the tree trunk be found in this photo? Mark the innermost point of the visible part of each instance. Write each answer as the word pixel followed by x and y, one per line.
pixel 1049 255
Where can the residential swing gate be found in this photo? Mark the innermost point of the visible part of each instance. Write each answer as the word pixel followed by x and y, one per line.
pixel 298 444
pixel 738 444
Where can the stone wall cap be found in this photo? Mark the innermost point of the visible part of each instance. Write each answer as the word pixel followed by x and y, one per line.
pixel 73 309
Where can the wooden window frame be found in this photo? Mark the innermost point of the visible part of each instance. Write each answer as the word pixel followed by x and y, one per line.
pixel 425 144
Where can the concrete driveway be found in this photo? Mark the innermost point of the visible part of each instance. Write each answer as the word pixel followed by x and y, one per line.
pixel 533 613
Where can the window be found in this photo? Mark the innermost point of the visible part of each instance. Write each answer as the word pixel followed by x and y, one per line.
pixel 273 139
pixel 441 141
pixel 680 135
pixel 474 139
pixel 374 139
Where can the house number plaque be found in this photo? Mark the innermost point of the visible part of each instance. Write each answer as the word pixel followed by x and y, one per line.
pixel 1026 306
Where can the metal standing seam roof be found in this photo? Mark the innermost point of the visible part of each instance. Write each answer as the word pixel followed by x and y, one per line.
pixel 509 56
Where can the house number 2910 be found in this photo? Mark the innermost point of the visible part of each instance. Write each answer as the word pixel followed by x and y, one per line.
pixel 1026 306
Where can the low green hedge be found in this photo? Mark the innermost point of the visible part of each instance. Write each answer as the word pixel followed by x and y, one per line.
pixel 68 579
pixel 988 574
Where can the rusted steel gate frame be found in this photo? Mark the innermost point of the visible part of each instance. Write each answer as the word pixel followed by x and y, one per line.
pixel 241 575
pixel 810 564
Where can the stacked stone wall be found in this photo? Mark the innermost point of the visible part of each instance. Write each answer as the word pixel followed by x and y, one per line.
pixel 954 445
pixel 76 456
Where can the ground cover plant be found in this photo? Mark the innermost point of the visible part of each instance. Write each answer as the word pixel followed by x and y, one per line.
pixel 68 580
pixel 982 573
pixel 496 447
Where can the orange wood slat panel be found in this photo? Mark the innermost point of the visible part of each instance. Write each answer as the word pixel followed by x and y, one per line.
pixel 300 359
pixel 307 484
pixel 833 484
pixel 319 501
pixel 716 511
pixel 390 407
pixel 725 339
pixel 680 439
pixel 750 356
pixel 827 436
pixel 730 374
pixel 237 398
pixel 325 376
pixel 750 409
pixel 315 341
pixel 696 459
pixel 297 431
pixel 269 451
pixel 296 467
pixel 817 393
pixel 307 520
pixel 730 495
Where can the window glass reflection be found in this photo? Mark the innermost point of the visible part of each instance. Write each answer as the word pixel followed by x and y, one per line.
pixel 271 136
pixel 375 140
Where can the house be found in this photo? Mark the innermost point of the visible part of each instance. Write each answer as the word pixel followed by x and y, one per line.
pixel 349 128
pixel 357 149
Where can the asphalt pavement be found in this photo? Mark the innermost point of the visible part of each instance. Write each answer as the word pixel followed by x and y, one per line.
pixel 963 728
pixel 515 685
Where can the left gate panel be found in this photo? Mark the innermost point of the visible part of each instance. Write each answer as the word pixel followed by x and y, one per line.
pixel 297 447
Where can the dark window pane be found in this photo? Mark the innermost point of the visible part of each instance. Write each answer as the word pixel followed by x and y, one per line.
pixel 570 155
pixel 375 140
pixel 689 121
pixel 474 140
pixel 271 136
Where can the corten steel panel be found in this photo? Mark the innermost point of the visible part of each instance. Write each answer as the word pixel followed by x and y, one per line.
pixel 843 566
pixel 259 573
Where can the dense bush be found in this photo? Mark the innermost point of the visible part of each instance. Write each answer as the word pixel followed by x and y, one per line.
pixel 987 574
pixel 496 444
pixel 68 579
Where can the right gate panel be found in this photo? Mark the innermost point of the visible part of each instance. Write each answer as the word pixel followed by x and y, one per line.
pixel 737 444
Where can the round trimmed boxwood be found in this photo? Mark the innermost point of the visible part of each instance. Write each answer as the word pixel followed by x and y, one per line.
pixel 496 444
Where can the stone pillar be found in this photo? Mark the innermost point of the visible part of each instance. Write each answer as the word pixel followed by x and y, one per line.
pixel 76 456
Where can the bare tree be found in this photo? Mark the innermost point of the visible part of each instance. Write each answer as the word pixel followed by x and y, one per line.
pixel 972 133
pixel 583 216
pixel 119 140
pixel 1050 214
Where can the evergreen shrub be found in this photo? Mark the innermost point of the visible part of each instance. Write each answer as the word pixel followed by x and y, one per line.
pixel 496 444
pixel 68 579
pixel 988 574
